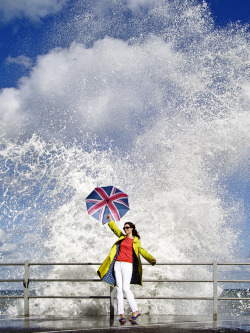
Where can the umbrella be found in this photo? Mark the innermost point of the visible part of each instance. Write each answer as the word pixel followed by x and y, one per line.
pixel 107 200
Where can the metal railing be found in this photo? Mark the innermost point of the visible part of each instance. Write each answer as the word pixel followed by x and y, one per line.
pixel 27 280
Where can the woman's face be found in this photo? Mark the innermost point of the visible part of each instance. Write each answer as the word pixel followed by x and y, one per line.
pixel 127 229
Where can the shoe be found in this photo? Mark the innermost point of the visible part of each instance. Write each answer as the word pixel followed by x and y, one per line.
pixel 122 320
pixel 133 318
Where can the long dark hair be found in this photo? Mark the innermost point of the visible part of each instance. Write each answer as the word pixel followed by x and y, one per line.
pixel 134 231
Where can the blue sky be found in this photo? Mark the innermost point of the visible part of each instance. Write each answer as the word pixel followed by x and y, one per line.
pixel 224 11
pixel 30 34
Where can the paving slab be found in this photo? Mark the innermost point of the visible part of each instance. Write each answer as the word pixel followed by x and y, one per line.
pixel 145 323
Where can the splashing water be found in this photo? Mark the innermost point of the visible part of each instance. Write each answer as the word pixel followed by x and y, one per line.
pixel 149 97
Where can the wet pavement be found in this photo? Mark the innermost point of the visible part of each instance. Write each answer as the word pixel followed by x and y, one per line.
pixel 145 323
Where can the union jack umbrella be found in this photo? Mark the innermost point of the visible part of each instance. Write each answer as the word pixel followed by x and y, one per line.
pixel 107 200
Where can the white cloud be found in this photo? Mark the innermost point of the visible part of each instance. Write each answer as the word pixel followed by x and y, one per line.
pixel 34 10
pixel 20 60
pixel 11 113
pixel 75 89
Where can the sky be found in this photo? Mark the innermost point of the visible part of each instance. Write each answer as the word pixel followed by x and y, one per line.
pixel 50 36
pixel 24 31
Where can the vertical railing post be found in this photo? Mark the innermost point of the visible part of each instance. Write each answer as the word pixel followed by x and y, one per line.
pixel 26 288
pixel 112 309
pixel 215 290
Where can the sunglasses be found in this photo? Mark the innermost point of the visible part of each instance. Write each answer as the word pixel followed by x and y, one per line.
pixel 126 228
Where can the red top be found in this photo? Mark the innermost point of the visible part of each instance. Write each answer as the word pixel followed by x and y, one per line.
pixel 126 250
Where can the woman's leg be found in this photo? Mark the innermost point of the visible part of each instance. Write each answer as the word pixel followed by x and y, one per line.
pixel 126 269
pixel 118 279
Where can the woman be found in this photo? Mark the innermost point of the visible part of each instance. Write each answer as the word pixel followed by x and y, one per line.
pixel 123 266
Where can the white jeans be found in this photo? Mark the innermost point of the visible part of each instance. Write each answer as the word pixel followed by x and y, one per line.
pixel 123 274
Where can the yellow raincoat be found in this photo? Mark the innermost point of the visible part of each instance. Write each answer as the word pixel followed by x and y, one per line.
pixel 106 270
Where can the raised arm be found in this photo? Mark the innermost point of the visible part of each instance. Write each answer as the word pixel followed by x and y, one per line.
pixel 114 227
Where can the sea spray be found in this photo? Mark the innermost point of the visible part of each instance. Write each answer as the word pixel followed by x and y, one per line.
pixel 187 217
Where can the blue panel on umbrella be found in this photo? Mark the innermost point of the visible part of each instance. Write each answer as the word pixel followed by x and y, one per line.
pixel 93 195
pixel 90 204
pixel 96 214
pixel 125 200
pixel 117 190
pixel 107 189
pixel 122 209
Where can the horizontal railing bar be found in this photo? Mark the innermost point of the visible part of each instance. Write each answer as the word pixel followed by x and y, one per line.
pixel 176 297
pixel 52 296
pixel 233 264
pixel 12 280
pixel 190 298
pixel 139 297
pixel 200 263
pixel 65 280
pixel 63 264
pixel 197 298
pixel 181 264
pixel 146 264
pixel 86 264
pixel 233 298
pixel 11 296
pixel 234 281
pixel 98 280
pixel 177 280
pixel 12 264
